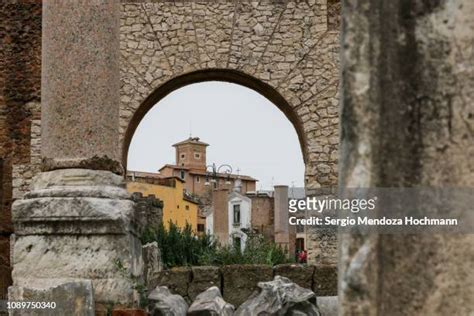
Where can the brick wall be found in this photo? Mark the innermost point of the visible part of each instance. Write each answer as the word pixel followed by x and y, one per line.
pixel 220 215
pixel 262 215
pixel 20 79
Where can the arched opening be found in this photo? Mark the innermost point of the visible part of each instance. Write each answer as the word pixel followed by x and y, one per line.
pixel 226 75
pixel 232 202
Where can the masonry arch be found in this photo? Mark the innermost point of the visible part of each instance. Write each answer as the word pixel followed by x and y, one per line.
pixel 286 51
pixel 224 75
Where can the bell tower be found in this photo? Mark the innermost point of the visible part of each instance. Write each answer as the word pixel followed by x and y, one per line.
pixel 191 153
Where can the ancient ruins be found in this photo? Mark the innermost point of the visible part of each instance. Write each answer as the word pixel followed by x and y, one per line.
pixel 379 92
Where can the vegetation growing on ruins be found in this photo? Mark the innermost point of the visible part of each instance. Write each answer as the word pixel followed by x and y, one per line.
pixel 135 281
pixel 182 246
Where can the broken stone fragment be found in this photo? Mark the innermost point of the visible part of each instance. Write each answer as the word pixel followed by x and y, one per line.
pixel 328 305
pixel 298 273
pixel 211 303
pixel 280 297
pixel 163 303
pixel 152 261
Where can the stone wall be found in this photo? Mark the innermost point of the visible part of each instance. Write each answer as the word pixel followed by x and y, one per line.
pixel 238 282
pixel 149 210
pixel 20 74
pixel 284 50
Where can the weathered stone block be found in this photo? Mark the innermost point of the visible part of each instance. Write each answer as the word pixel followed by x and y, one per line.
pixel 92 257
pixel 328 305
pixel 71 297
pixel 176 280
pixel 76 177
pixel 202 279
pixel 163 303
pixel 151 263
pixel 72 215
pixel 280 297
pixel 325 280
pixel 210 303
pixel 240 281
pixel 81 236
pixel 300 274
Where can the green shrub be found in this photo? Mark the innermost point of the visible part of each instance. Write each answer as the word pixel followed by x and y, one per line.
pixel 178 246
pixel 258 250
pixel 181 247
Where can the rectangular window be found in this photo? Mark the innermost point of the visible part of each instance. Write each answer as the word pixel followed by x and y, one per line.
pixel 187 207
pixel 200 228
pixel 198 179
pixel 299 244
pixel 197 156
pixel 237 214
pixel 182 174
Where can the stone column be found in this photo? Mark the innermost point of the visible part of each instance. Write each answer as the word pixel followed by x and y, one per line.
pixel 78 222
pixel 80 84
pixel 407 121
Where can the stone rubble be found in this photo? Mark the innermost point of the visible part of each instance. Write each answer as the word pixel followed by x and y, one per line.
pixel 210 303
pixel 163 303
pixel 280 297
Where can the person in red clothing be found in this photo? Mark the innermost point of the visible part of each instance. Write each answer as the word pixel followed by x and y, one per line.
pixel 302 257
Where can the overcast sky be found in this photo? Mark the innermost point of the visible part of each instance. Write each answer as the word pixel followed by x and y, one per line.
pixel 242 127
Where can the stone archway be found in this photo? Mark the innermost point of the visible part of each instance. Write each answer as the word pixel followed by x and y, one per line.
pixel 287 51
pixel 232 76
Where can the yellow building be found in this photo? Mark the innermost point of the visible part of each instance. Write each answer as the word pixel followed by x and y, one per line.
pixel 177 207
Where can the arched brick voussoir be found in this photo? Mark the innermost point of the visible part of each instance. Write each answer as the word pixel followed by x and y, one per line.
pixel 254 27
pixel 213 22
pixel 140 47
pixel 298 30
pixel 174 28
pixel 317 71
